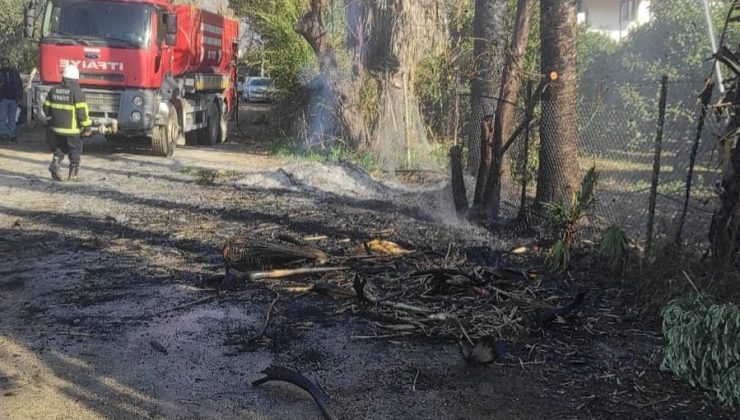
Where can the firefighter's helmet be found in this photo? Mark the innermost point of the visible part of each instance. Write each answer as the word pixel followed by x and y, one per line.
pixel 71 72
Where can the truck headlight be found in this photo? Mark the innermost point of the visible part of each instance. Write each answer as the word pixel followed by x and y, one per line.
pixel 136 116
pixel 138 101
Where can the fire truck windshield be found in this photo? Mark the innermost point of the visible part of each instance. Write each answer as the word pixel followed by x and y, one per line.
pixel 86 22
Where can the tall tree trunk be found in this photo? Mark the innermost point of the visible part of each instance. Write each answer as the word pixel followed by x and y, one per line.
pixel 558 172
pixel 490 34
pixel 401 33
pixel 511 81
pixel 346 98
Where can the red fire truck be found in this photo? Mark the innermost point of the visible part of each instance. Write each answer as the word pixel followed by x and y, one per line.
pixel 149 68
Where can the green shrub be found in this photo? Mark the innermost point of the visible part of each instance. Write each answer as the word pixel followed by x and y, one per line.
pixel 614 247
pixel 563 220
pixel 704 344
pixel 558 257
pixel 287 57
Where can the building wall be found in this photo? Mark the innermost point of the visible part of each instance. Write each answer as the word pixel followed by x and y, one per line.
pixel 605 16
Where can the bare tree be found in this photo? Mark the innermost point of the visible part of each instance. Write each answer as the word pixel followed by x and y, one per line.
pixel 511 81
pixel 558 171
pixel 490 34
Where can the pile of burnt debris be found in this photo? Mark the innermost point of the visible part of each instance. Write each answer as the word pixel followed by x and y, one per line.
pixel 473 296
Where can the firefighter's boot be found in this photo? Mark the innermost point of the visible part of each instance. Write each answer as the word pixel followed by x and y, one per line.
pixel 54 168
pixel 74 172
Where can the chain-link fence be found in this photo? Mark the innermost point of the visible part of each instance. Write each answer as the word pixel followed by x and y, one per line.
pixel 616 132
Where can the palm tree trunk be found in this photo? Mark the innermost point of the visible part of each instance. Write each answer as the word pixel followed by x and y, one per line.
pixel 558 171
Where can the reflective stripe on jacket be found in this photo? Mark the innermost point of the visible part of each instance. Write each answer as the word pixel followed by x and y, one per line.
pixel 66 109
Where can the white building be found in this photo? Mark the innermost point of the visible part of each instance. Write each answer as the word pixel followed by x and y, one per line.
pixel 614 18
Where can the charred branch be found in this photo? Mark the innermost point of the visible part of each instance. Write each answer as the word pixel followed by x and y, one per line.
pixel 283 374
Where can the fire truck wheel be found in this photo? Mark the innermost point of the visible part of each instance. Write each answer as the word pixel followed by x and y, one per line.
pixel 164 138
pixel 212 134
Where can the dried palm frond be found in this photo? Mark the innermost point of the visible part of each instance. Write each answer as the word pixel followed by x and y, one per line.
pixel 253 254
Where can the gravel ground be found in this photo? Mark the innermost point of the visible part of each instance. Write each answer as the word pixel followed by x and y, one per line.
pixel 98 280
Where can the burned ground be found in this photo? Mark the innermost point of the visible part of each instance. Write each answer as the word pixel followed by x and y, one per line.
pixel 102 313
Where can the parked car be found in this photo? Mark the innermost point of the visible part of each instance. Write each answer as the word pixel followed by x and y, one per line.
pixel 258 89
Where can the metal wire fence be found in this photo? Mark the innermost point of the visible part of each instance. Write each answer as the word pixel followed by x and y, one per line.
pixel 617 126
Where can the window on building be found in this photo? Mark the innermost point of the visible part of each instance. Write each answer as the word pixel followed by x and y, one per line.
pixel 628 10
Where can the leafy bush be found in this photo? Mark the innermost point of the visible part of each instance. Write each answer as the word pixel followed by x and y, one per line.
pixel 442 81
pixel 704 344
pixel 563 220
pixel 22 52
pixel 287 56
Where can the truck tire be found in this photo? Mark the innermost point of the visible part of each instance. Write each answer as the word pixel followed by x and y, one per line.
pixel 164 137
pixel 212 134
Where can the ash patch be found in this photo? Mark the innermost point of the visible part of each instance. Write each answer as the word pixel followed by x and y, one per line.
pixel 335 178
pixel 343 180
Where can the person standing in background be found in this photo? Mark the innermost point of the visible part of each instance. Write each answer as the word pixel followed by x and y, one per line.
pixel 11 93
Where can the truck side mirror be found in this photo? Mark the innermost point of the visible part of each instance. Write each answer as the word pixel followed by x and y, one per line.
pixel 170 21
pixel 29 15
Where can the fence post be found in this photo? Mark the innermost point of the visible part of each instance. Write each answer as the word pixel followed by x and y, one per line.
pixel 656 165
pixel 525 174
pixel 706 96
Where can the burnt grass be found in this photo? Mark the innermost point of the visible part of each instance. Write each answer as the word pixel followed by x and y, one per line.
pixel 600 361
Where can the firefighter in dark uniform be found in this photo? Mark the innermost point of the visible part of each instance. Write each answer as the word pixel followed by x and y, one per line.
pixel 67 112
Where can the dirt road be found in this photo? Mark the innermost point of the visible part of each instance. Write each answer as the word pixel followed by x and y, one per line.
pixel 98 280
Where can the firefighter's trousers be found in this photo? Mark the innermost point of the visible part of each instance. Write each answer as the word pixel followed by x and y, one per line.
pixel 65 145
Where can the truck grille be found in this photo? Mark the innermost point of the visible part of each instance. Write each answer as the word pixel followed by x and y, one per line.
pixel 103 101
pixel 108 77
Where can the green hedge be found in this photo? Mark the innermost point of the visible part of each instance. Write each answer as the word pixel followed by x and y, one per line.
pixel 704 344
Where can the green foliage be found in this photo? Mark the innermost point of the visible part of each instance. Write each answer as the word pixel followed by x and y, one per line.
pixel 370 99
pixel 674 42
pixel 287 56
pixel 22 53
pixel 558 257
pixel 339 32
pixel 563 219
pixel 595 55
pixel 439 87
pixel 287 148
pixel 627 74
pixel 704 344
pixel 614 247
pixel 441 80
